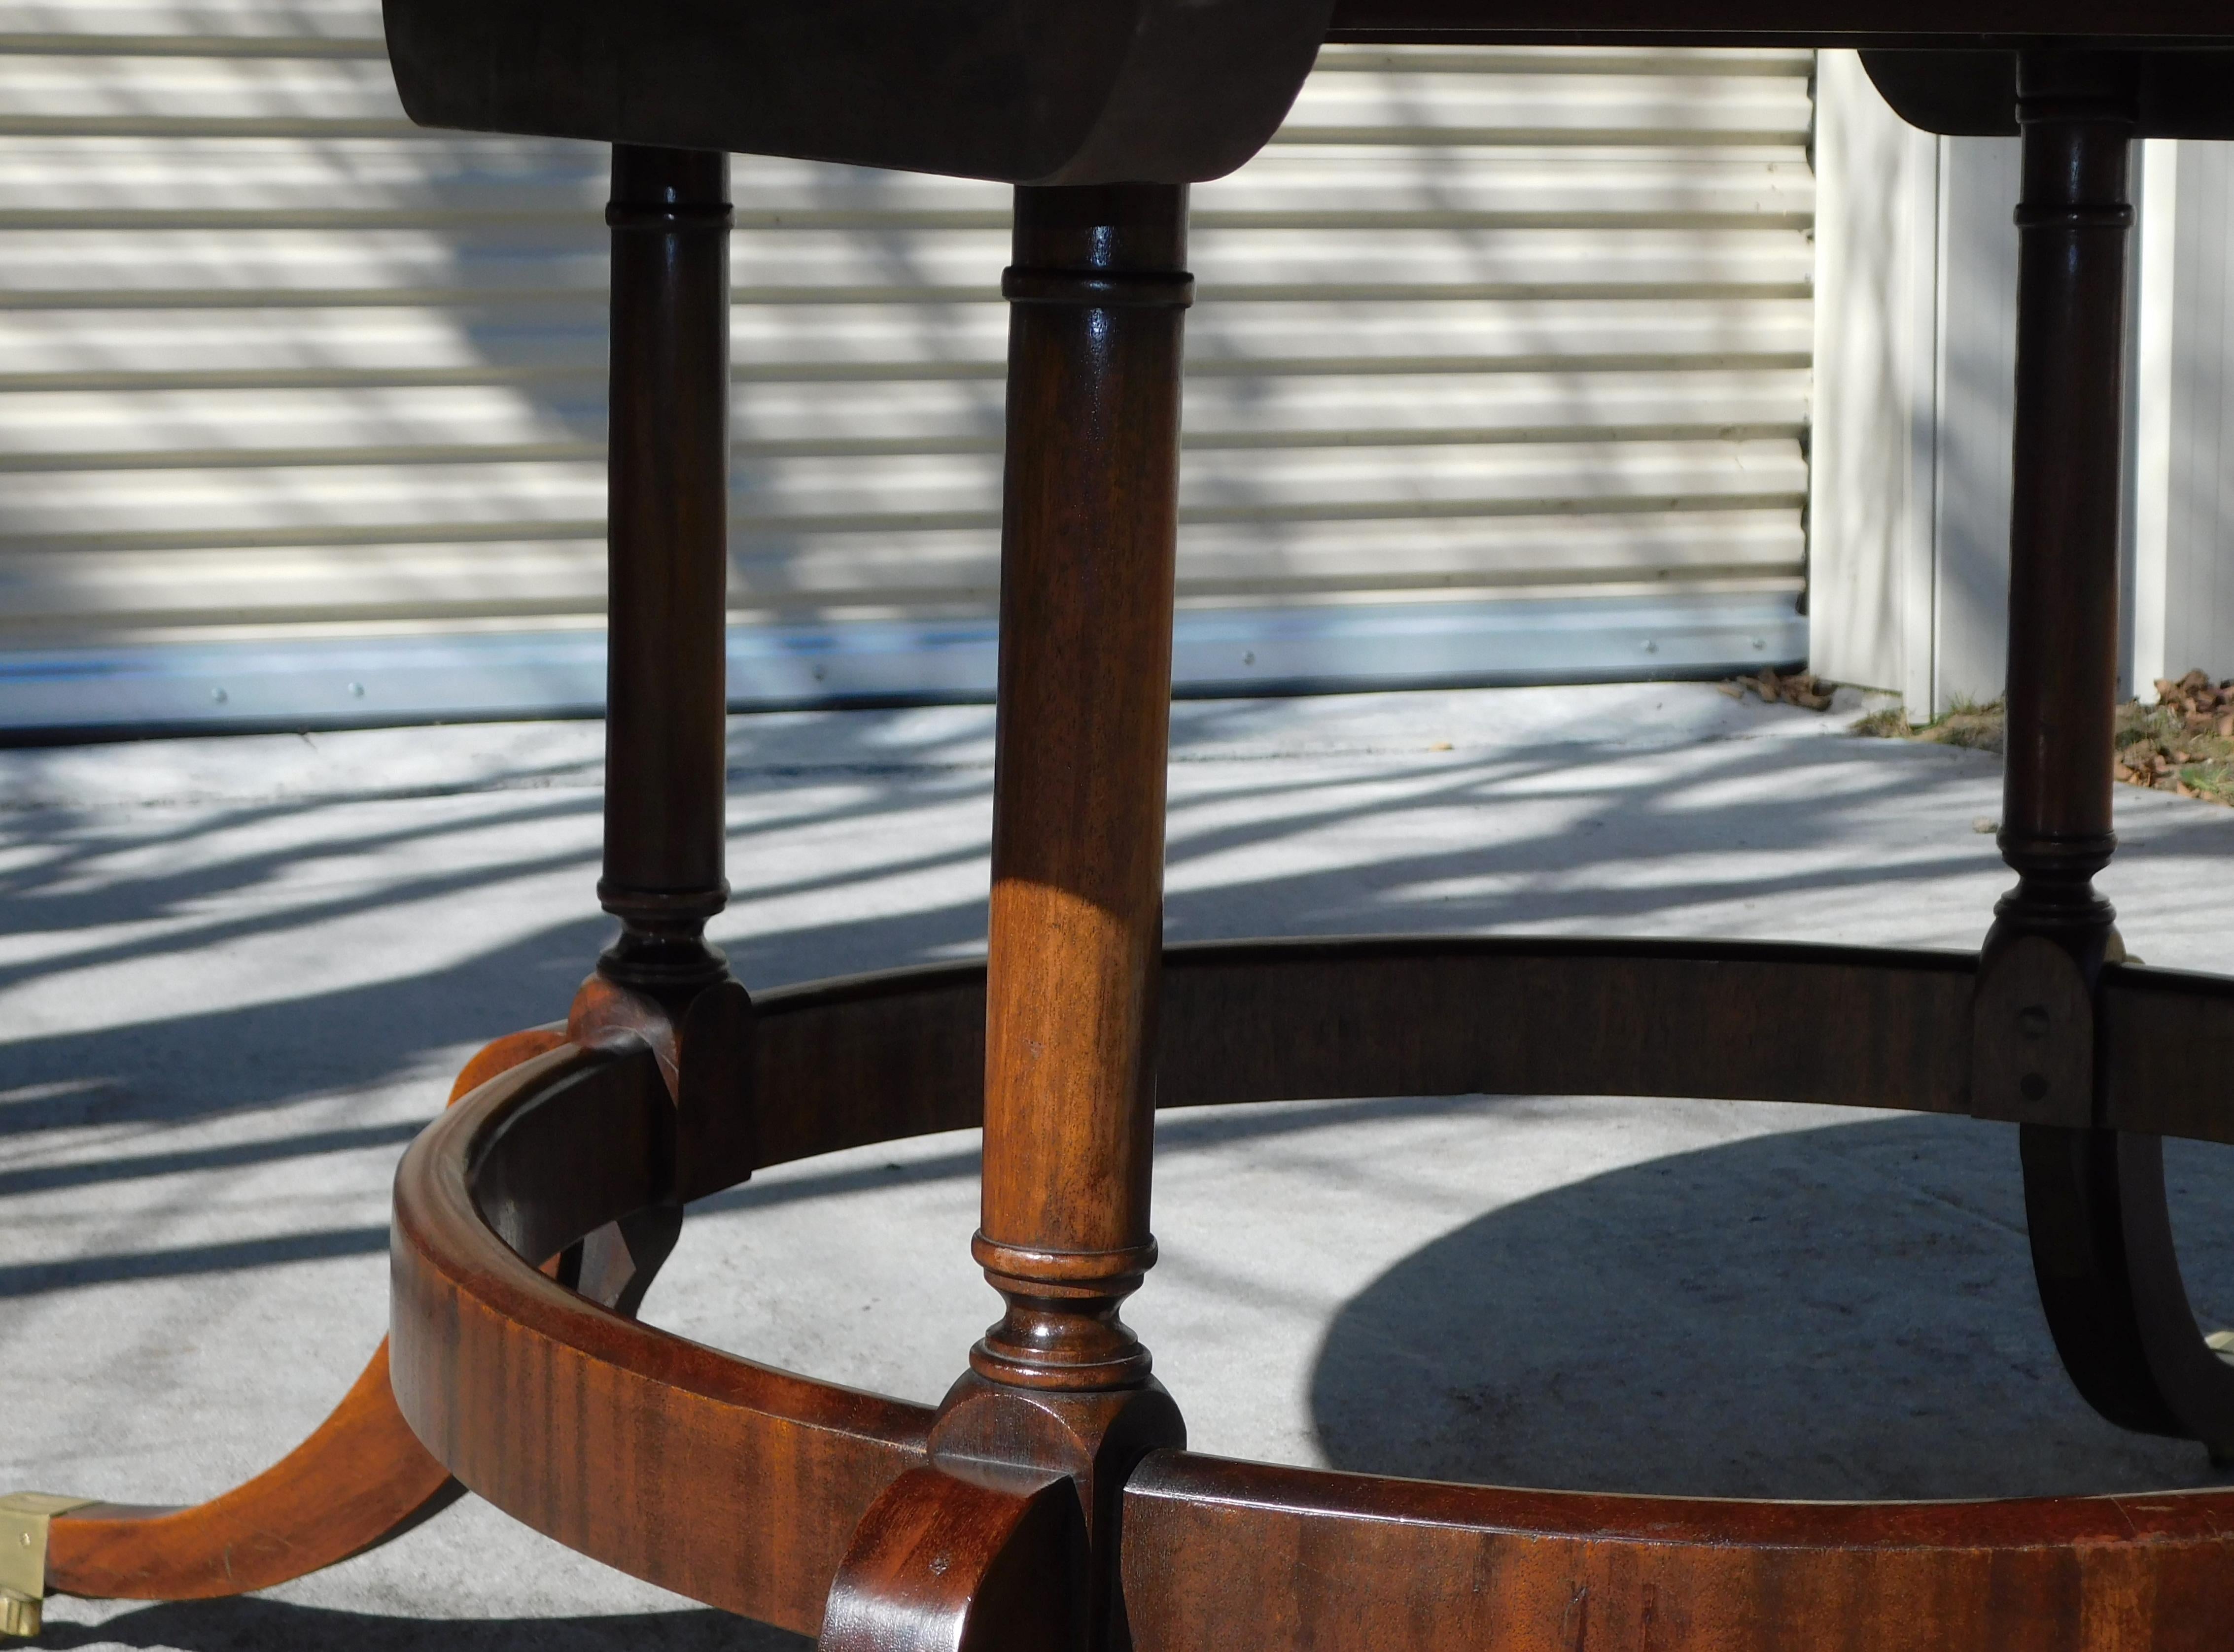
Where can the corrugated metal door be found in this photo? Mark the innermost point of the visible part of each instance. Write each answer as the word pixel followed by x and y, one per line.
pixel 1499 368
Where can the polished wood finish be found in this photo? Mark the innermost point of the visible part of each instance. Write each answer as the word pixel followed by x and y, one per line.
pixel 876 1058
pixel 500 1055
pixel 873 1058
pixel 1934 24
pixel 2074 219
pixel 1060 1386
pixel 2101 1239
pixel 735 1484
pixel 1090 527
pixel 840 1064
pixel 762 1475
pixel 1225 1557
pixel 360 1479
pixel 1125 91
pixel 1121 91
pixel 1974 93
pixel 667 566
pixel 924 1526
pixel 974 1561
pixel 1090 1440
pixel 2109 1277
pixel 1047 1502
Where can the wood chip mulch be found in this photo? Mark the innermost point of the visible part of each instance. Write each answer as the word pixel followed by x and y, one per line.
pixel 1801 689
pixel 2184 743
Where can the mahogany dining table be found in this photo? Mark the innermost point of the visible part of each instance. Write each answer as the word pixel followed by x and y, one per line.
pixel 1051 1499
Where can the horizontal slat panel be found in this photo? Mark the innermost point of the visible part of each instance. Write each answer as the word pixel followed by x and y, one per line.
pixel 857 335
pixel 466 424
pixel 43 598
pixel 803 494
pixel 1650 62
pixel 1548 198
pixel 1458 110
pixel 229 20
pixel 195 268
pixel 1477 322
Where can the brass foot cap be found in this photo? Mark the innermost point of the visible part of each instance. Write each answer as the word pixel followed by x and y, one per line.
pixel 24 1516
pixel 21 1616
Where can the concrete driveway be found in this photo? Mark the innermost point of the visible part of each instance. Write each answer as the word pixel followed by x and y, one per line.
pixel 236 975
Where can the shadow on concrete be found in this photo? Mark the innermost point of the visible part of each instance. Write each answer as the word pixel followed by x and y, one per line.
pixel 253 1625
pixel 89 874
pixel 33 1278
pixel 1840 1313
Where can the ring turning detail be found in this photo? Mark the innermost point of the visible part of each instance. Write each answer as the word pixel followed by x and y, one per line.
pixel 1050 1500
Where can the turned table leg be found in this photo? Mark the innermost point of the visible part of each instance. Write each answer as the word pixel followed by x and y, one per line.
pixel 361 1478
pixel 666 752
pixel 1059 1404
pixel 1091 516
pixel 668 515
pixel 2095 1199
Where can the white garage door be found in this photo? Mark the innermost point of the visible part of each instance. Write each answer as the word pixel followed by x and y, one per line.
pixel 1497 372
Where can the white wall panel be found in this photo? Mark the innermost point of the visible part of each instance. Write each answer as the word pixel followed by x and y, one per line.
pixel 1975 429
pixel 2185 462
pixel 1915 383
pixel 1911 454
pixel 1478 331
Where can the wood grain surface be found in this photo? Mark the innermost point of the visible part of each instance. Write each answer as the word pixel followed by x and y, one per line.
pixel 667 566
pixel 755 1489
pixel 1097 293
pixel 360 1479
pixel 585 1424
pixel 732 1483
pixel 1248 1558
pixel 901 1053
pixel 972 1563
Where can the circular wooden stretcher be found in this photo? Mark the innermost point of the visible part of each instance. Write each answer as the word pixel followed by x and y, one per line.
pixel 743 1486
pixel 1048 1501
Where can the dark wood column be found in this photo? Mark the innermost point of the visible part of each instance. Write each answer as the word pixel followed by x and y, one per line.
pixel 2034 1051
pixel 668 565
pixel 1090 522
pixel 1033 1446
pixel 666 755
pixel 2073 225
pixel 2101 1238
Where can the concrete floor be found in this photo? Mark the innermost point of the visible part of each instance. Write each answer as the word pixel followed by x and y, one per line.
pixel 236 975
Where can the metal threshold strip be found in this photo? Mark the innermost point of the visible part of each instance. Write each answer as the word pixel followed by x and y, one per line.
pixel 331 682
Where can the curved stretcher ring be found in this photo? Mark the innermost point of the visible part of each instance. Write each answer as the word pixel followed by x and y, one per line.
pixel 741 1485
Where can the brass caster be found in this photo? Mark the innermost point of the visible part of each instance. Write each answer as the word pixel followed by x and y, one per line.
pixel 21 1616
pixel 23 1518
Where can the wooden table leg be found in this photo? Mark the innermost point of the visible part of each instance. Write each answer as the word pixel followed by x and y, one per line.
pixel 668 562
pixel 668 522
pixel 2094 1199
pixel 361 1478
pixel 1091 520
pixel 1060 1388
